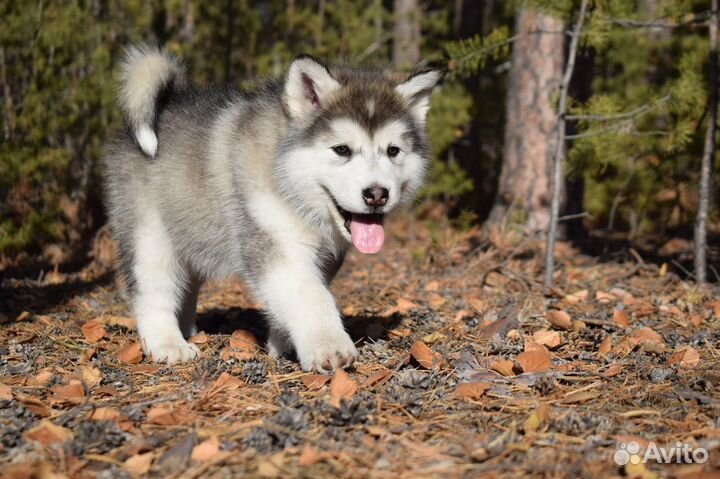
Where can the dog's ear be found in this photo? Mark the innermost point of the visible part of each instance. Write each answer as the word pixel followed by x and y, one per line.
pixel 416 91
pixel 308 86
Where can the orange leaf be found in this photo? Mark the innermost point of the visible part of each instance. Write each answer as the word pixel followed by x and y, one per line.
pixel 424 355
pixel 621 318
pixel 227 382
pixel 404 306
pixel 315 381
pixel 243 340
pixel 647 335
pixel 576 297
pixel 504 367
pixel 131 354
pixel 104 414
pixel 166 417
pixel 471 390
pixel 73 392
pixel 48 433
pixel 341 387
pixel 5 392
pixel 310 456
pixel 606 345
pixel 94 330
pixel 550 339
pixel 686 357
pixel 207 450
pixel 41 379
pixel 91 376
pixel 399 332
pixel 139 464
pixel 535 359
pixel 559 319
pixel 613 370
pixel 199 338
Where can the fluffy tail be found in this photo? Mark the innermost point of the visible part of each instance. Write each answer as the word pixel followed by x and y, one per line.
pixel 146 73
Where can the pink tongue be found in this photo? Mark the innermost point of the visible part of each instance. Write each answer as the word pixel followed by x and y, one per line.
pixel 367 232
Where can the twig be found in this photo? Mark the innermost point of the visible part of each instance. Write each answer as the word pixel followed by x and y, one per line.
pixel 621 116
pixel 559 147
pixel 708 156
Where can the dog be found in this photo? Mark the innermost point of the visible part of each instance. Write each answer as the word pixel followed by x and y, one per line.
pixel 273 185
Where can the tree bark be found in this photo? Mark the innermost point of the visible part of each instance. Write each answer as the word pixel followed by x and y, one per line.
pixel 708 155
pixel 406 34
pixel 531 123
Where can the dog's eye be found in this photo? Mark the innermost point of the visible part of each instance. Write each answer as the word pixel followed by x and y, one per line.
pixel 342 150
pixel 393 151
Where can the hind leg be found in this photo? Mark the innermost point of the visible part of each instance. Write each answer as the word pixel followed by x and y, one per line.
pixel 188 308
pixel 160 284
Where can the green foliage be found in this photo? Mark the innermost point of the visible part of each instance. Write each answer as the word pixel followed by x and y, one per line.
pixel 467 56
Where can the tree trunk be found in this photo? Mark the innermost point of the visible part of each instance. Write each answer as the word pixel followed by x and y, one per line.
pixel 708 155
pixel 531 124
pixel 406 35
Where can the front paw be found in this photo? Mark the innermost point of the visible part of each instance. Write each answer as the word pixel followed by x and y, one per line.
pixel 170 350
pixel 326 351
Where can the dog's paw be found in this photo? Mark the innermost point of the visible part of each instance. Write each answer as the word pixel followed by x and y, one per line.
pixel 171 350
pixel 326 351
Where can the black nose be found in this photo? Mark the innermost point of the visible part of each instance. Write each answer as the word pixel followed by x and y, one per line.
pixel 376 196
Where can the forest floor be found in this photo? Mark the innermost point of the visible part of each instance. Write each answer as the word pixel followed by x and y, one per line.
pixel 467 368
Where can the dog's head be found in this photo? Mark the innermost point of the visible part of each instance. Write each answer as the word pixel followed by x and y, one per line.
pixel 357 147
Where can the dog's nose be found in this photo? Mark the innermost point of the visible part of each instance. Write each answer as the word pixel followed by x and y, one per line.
pixel 375 196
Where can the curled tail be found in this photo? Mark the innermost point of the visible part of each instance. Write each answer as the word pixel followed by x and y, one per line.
pixel 146 73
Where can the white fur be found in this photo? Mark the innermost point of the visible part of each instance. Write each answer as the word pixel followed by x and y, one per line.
pixel 416 92
pixel 302 309
pixel 296 97
pixel 159 286
pixel 147 140
pixel 143 72
pixel 315 170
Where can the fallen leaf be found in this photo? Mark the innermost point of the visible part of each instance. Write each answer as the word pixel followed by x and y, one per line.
pixel 131 354
pixel 48 433
pixel 163 416
pixel 139 464
pixel 433 337
pixel 621 318
pixel 310 456
pixel 686 357
pixel 22 316
pixel 91 376
pixel 399 332
pixel 41 379
pixel 577 297
pixel 199 338
pixel 315 381
pixel 471 390
pixel 404 306
pixel 341 387
pixel 377 378
pixel 122 321
pixel 226 382
pixel 5 392
pixel 549 339
pixel 207 450
pixel 535 359
pixel 243 340
pixel 425 356
pixel 104 414
pixel 559 319
pixel 605 345
pixel 536 419
pixel 74 392
pixel 476 303
pixel 271 467
pixel 94 330
pixel 504 367
pixel 33 404
pixel 613 370
pixel 647 336
pixel 432 286
pixel 603 297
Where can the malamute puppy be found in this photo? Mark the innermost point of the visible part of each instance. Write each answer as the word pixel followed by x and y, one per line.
pixel 273 185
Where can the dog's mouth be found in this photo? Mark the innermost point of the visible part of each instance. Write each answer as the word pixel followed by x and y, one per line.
pixel 366 230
